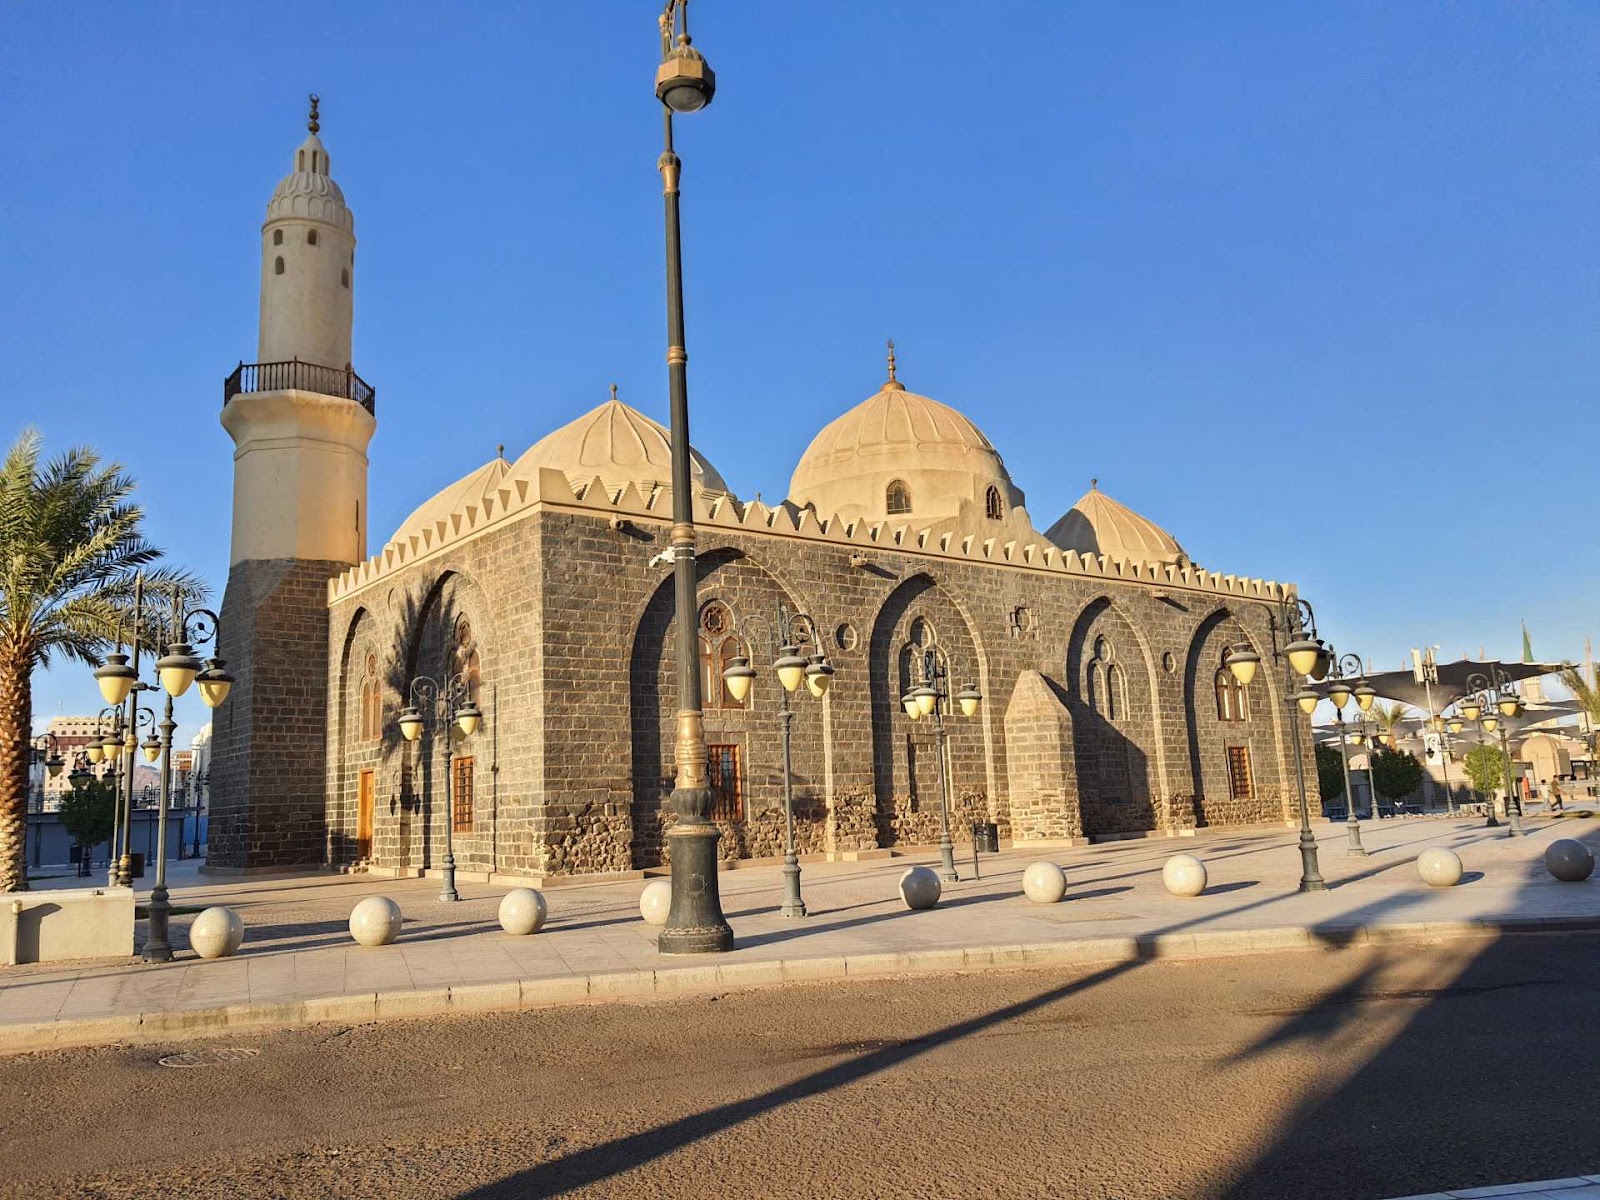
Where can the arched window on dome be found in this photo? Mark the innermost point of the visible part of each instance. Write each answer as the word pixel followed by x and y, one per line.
pixel 299 160
pixel 277 265
pixel 897 498
pixel 993 507
pixel 719 645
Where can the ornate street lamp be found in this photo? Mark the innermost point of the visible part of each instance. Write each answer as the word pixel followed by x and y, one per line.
pixel 927 701
pixel 177 670
pixel 442 705
pixel 695 924
pixel 1340 692
pixel 794 630
pixel 1302 654
pixel 1493 702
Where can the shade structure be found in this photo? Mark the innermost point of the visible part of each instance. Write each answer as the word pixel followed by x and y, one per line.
pixel 1452 685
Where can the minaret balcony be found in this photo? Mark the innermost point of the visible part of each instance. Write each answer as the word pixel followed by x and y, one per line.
pixel 301 376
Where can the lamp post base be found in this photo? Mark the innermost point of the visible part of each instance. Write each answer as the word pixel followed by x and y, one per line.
pixel 125 871
pixel 1310 877
pixel 157 948
pixel 947 856
pixel 695 924
pixel 1355 849
pixel 447 890
pixel 793 906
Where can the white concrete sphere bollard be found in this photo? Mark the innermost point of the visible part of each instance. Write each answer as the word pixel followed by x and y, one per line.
pixel 523 911
pixel 216 933
pixel 1184 875
pixel 920 887
pixel 375 921
pixel 655 902
pixel 1044 883
pixel 1569 860
pixel 1439 866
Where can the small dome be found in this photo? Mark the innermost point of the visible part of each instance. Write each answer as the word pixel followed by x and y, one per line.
pixel 938 458
pixel 463 492
pixel 620 445
pixel 309 192
pixel 1097 524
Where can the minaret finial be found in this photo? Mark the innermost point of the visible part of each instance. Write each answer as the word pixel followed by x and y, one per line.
pixel 314 124
pixel 1094 485
pixel 613 391
pixel 893 383
pixel 500 451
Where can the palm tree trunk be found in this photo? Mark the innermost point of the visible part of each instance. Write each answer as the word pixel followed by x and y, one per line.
pixel 16 735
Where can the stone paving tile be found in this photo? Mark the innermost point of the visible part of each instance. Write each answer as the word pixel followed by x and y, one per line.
pixel 298 946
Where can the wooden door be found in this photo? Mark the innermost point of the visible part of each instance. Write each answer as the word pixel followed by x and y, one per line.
pixel 364 795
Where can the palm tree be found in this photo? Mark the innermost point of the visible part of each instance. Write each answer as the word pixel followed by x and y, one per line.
pixel 70 544
pixel 1388 718
pixel 1585 691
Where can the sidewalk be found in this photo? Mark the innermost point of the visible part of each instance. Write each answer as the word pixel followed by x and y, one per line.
pixel 299 965
pixel 1586 1187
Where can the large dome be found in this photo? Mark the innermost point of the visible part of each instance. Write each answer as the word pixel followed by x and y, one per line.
pixel 472 489
pixel 620 445
pixel 309 191
pixel 1097 524
pixel 898 454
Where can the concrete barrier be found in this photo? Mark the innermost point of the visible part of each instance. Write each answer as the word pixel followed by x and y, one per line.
pixel 56 925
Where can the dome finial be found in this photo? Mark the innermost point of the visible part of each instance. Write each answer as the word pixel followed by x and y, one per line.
pixel 893 384
pixel 613 392
pixel 500 451
pixel 314 125
pixel 1094 485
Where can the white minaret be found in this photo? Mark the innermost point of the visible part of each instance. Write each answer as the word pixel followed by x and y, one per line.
pixel 300 418
pixel 300 415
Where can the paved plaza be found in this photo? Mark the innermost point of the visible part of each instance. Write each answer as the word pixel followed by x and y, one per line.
pixel 299 964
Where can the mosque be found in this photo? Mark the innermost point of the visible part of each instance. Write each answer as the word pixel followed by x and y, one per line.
pixel 1097 645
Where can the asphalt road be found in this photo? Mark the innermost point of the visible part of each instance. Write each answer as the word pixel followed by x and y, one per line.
pixel 1351 1074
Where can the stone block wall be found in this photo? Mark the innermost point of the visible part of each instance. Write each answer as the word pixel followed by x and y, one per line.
pixel 1040 755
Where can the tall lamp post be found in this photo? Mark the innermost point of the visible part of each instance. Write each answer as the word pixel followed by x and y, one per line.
pixel 793 631
pixel 1302 654
pixel 695 924
pixel 1339 693
pixel 441 706
pixel 1429 672
pixel 1492 703
pixel 178 669
pixel 930 700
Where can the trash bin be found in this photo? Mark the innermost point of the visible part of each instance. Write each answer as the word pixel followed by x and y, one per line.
pixel 137 870
pixel 986 836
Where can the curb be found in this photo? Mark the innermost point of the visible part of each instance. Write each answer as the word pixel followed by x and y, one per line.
pixel 364 1008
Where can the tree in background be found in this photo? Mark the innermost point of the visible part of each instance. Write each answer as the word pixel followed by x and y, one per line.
pixel 88 814
pixel 1486 767
pixel 1586 692
pixel 1396 774
pixel 1330 772
pixel 1388 717
pixel 71 542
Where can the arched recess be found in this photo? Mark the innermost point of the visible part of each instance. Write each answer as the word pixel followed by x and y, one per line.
pixel 905 767
pixel 1240 769
pixel 349 754
pixel 446 628
pixel 1116 722
pixel 744 744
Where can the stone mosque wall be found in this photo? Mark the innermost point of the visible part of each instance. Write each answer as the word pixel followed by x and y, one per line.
pixel 1100 713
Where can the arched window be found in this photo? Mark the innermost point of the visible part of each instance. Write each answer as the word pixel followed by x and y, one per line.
pixel 311 237
pixel 1233 698
pixel 277 237
pixel 1116 694
pixel 1097 688
pixel 299 160
pixel 464 659
pixel 993 507
pixel 897 498
pixel 277 266
pixel 1105 685
pixel 371 702
pixel 344 277
pixel 719 645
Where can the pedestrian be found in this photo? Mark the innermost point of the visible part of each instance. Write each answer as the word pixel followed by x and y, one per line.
pixel 1556 804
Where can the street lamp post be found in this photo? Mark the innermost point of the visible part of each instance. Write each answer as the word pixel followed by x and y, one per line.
pixel 1339 693
pixel 929 700
pixel 794 630
pixel 1436 722
pixel 177 670
pixel 439 706
pixel 119 684
pixel 1494 701
pixel 199 781
pixel 695 924
pixel 1303 654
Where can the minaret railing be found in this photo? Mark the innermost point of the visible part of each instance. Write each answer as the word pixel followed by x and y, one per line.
pixel 301 376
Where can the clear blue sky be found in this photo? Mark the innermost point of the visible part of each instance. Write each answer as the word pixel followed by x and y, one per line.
pixel 1314 286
